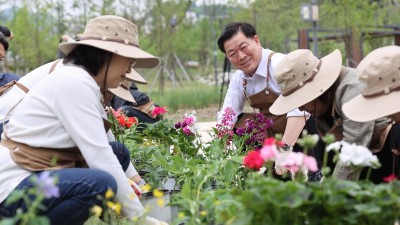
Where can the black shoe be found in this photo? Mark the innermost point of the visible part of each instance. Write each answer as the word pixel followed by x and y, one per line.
pixel 314 176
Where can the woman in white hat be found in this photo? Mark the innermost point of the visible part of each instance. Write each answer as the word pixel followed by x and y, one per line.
pixel 60 127
pixel 321 87
pixel 380 71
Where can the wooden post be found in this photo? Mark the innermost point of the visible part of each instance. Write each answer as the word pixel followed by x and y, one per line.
pixel 356 52
pixel 397 36
pixel 302 38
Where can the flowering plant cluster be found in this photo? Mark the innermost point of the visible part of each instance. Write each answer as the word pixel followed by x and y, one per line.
pixel 158 111
pixel 256 128
pixel 188 125
pixel 294 162
pixel 225 128
pixel 354 155
pixel 124 120
pixel 44 187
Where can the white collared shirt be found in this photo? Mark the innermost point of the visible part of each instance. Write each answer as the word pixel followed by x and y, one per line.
pixel 235 97
pixel 64 110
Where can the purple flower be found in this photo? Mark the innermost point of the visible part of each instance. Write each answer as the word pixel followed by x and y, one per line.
pixel 46 185
pixel 178 125
pixel 240 131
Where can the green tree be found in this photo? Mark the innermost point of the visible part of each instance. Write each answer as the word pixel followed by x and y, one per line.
pixel 35 41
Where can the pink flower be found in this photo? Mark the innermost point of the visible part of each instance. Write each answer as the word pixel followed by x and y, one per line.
pixel 269 141
pixel 189 121
pixel 186 130
pixel 268 152
pixel 390 178
pixel 310 163
pixel 117 113
pixel 296 161
pixel 293 161
pixel 158 111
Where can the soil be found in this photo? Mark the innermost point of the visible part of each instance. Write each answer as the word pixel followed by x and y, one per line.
pixel 205 114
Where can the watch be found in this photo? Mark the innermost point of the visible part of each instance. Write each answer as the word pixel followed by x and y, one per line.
pixel 286 147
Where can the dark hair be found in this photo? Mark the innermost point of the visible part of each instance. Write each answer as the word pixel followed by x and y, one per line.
pixel 329 95
pixel 5 31
pixel 233 28
pixel 3 41
pixel 91 58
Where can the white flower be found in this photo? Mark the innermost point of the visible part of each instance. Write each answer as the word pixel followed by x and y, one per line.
pixel 334 146
pixel 357 155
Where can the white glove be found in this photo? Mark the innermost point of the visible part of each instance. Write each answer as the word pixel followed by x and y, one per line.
pixel 282 157
pixel 152 221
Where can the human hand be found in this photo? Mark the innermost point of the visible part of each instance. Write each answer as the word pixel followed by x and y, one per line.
pixel 136 188
pixel 284 151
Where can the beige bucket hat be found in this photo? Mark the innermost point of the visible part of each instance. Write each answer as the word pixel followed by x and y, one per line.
pixel 380 71
pixel 123 92
pixel 114 34
pixel 304 77
pixel 135 77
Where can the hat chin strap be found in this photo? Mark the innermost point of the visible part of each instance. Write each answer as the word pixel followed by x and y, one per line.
pixel 104 86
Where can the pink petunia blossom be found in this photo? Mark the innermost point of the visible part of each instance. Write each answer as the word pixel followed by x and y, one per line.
pixel 268 152
pixel 310 163
pixel 158 111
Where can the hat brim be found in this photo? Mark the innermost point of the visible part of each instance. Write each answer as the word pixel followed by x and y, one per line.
pixel 361 109
pixel 123 93
pixel 135 77
pixel 323 80
pixel 144 59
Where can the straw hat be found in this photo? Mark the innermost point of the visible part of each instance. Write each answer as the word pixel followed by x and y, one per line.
pixel 303 77
pixel 114 34
pixel 135 77
pixel 380 71
pixel 123 92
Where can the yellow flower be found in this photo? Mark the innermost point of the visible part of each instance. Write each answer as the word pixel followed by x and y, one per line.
pixel 203 213
pixel 116 207
pixel 146 188
pixel 109 204
pixel 160 202
pixel 96 210
pixel 181 215
pixel 109 193
pixel 157 193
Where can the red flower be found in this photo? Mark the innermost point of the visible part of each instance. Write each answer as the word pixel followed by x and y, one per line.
pixel 390 178
pixel 158 111
pixel 121 120
pixel 130 121
pixel 253 160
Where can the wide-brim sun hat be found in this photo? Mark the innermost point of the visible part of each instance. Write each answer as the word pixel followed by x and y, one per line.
pixel 135 77
pixel 114 34
pixel 123 92
pixel 380 71
pixel 303 77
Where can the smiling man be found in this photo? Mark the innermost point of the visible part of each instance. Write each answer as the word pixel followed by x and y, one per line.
pixel 254 81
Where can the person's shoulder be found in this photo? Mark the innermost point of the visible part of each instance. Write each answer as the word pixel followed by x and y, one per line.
pixel 7 77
